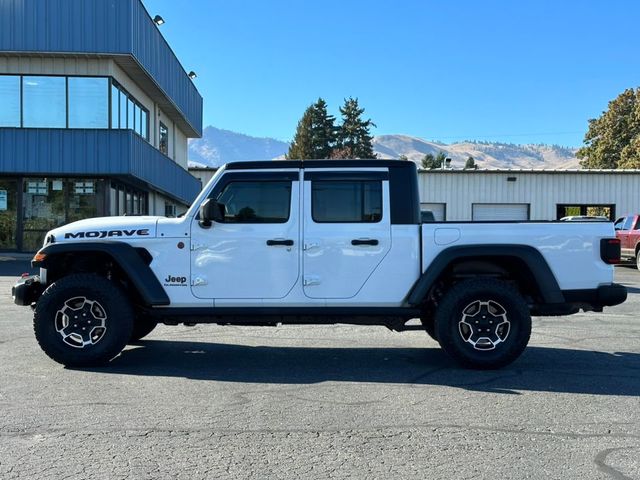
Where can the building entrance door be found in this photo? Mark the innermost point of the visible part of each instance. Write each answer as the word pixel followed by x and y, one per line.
pixel 8 214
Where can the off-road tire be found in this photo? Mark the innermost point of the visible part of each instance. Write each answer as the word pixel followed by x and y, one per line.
pixel 115 310
pixel 142 326
pixel 484 296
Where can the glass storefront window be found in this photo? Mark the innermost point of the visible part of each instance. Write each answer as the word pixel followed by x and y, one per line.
pixel 83 201
pixel 43 210
pixel 9 101
pixel 8 213
pixel 44 102
pixel 88 102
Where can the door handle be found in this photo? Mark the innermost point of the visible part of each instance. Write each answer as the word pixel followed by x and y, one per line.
pixel 273 243
pixel 364 241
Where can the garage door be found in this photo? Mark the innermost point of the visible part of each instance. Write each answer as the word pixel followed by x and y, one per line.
pixel 438 210
pixel 486 212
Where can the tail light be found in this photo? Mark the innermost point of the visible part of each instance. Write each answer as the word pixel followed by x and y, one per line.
pixel 610 250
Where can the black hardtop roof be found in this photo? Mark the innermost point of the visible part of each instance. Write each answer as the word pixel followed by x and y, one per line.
pixel 319 164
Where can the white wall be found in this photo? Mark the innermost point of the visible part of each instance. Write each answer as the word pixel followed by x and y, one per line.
pixel 542 190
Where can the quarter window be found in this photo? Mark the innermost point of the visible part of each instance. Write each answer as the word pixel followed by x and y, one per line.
pixel 256 202
pixel 342 201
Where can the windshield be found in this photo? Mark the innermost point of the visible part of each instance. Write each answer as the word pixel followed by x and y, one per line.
pixel 203 193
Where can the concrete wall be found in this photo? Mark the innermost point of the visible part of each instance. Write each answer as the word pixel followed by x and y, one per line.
pixel 543 191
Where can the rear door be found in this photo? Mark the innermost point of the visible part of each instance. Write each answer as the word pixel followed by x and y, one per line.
pixel 254 252
pixel 347 230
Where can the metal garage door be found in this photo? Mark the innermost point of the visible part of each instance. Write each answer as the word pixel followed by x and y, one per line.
pixel 438 210
pixel 483 212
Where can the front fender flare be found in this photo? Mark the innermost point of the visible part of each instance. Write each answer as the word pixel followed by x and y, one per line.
pixel 130 261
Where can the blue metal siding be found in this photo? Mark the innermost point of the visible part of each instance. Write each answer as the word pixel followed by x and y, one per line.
pixel 117 27
pixel 49 152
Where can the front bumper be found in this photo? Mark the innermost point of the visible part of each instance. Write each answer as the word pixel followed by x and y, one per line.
pixel 27 290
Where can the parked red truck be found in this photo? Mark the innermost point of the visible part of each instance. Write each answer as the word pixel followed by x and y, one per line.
pixel 628 231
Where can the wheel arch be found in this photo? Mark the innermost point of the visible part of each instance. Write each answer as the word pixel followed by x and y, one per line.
pixel 522 262
pixel 132 262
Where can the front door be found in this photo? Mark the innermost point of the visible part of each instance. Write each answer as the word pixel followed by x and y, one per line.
pixel 254 252
pixel 347 230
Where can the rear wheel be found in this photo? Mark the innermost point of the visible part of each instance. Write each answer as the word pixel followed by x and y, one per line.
pixel 638 259
pixel 483 323
pixel 83 320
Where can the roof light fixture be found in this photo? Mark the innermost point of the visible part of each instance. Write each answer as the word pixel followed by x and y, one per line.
pixel 192 74
pixel 158 20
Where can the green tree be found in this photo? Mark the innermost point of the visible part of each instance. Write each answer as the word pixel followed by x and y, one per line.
pixel 323 130
pixel 302 146
pixel 440 159
pixel 470 164
pixel 428 162
pixel 613 139
pixel 403 157
pixel 316 134
pixel 354 136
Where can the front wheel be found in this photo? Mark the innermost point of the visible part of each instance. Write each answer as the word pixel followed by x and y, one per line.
pixel 483 323
pixel 638 259
pixel 83 320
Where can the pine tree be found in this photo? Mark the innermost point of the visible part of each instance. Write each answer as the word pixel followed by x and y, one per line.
pixel 323 130
pixel 613 139
pixel 470 164
pixel 354 136
pixel 440 159
pixel 302 146
pixel 316 134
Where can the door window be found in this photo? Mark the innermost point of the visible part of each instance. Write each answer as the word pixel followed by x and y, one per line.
pixel 256 202
pixel 627 223
pixel 340 201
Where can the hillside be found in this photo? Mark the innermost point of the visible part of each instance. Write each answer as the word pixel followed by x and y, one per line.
pixel 220 146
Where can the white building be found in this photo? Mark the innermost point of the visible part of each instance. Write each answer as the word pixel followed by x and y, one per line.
pixel 466 195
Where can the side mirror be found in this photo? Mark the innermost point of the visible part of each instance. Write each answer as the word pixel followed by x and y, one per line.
pixel 211 211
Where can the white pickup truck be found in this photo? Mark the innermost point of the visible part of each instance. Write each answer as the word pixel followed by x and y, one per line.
pixel 314 242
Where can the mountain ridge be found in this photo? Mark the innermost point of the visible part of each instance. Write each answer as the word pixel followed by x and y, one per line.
pixel 218 146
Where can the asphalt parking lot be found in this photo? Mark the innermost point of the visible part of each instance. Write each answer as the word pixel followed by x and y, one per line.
pixel 324 402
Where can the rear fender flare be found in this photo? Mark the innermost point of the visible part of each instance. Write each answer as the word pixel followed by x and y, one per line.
pixel 532 258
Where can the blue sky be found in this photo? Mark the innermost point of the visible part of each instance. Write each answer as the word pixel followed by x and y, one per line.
pixel 498 70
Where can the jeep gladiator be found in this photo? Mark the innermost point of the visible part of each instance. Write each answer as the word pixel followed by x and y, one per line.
pixel 314 242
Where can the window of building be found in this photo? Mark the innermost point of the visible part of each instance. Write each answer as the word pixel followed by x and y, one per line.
pixel 9 101
pixel 123 110
pixel 44 102
pixel 565 210
pixel 88 102
pixel 163 144
pixel 38 101
pixel 169 209
pixel 358 201
pixel 256 202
